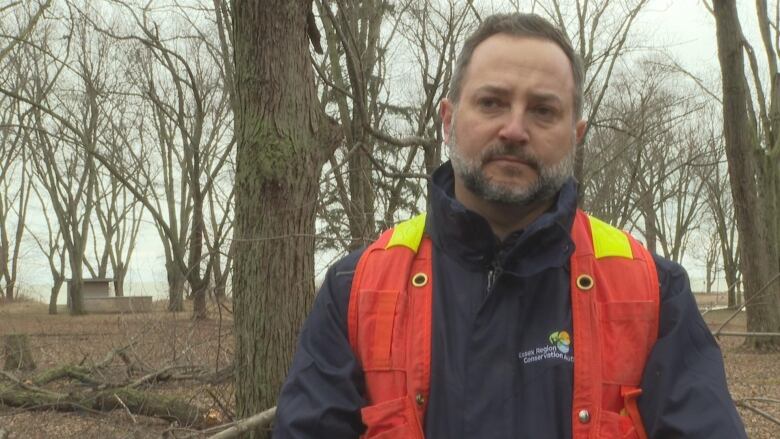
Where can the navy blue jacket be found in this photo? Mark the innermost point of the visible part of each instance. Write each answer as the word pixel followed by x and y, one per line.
pixel 493 303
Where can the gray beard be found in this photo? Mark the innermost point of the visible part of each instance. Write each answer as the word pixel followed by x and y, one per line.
pixel 549 182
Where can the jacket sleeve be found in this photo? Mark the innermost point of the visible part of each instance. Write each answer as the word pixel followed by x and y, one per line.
pixel 684 392
pixel 322 395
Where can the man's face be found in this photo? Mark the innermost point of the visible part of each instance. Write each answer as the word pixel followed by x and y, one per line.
pixel 515 135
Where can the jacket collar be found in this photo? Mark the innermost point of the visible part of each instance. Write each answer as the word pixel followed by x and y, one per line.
pixel 467 236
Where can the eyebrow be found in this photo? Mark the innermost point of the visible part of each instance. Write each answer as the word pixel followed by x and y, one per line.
pixel 535 95
pixel 491 89
pixel 546 97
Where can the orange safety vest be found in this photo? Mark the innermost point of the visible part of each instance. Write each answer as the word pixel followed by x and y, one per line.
pixel 614 299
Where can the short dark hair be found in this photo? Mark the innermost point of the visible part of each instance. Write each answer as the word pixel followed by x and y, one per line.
pixel 518 25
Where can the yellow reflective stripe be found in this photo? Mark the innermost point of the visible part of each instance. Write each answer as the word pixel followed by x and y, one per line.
pixel 408 233
pixel 608 240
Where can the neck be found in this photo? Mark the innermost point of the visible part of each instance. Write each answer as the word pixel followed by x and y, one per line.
pixel 503 218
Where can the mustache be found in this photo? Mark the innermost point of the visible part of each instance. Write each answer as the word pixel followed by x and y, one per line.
pixel 499 150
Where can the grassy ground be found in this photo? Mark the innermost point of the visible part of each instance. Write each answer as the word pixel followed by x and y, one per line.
pixel 162 339
pixel 159 339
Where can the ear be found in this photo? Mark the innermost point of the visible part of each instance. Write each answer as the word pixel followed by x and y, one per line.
pixel 579 130
pixel 446 109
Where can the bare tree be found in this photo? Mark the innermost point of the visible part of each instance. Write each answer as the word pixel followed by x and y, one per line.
pixel 640 159
pixel 56 255
pixel 180 80
pixel 391 133
pixel 15 182
pixel 63 168
pixel 118 217
pixel 23 33
pixel 751 129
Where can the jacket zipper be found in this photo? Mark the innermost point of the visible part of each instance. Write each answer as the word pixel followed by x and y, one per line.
pixel 493 274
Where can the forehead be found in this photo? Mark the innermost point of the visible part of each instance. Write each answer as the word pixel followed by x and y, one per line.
pixel 520 63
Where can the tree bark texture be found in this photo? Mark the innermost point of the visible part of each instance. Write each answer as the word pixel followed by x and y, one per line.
pixel 16 350
pixel 175 287
pixel 280 152
pixel 759 260
pixel 55 292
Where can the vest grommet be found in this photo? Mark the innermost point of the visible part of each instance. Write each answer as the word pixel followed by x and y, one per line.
pixel 420 279
pixel 583 416
pixel 584 282
pixel 419 399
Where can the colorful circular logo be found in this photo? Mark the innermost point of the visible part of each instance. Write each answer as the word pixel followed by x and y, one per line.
pixel 561 340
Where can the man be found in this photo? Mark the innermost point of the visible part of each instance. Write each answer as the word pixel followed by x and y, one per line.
pixel 508 263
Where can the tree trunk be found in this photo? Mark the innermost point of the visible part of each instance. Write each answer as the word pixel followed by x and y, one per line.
pixel 75 292
pixel 281 147
pixel 759 264
pixel 199 311
pixel 120 272
pixel 16 350
pixel 175 288
pixel 55 291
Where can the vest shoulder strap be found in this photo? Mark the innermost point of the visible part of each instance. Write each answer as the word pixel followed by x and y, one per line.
pixel 389 326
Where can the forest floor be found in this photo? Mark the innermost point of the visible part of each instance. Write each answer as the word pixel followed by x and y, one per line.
pixel 160 340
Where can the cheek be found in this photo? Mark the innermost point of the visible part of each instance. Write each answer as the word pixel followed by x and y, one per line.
pixel 472 138
pixel 559 145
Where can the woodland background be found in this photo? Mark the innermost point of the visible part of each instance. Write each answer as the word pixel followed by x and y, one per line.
pixel 262 139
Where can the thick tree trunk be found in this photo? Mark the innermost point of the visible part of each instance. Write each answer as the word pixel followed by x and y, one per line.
pixel 280 152
pixel 760 263
pixel 176 282
pixel 76 294
pixel 199 311
pixel 198 283
pixel 55 292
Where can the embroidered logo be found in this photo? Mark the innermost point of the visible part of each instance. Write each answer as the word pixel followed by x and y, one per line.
pixel 559 348
pixel 561 340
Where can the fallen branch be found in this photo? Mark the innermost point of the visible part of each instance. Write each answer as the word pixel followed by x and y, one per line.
pixel 29 387
pixel 126 409
pixel 241 426
pixel 743 404
pixel 746 334
pixel 739 309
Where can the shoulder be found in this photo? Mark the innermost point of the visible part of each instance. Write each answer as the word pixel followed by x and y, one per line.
pixel 335 289
pixel 672 278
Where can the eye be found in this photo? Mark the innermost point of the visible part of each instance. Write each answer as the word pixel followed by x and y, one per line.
pixel 489 103
pixel 545 111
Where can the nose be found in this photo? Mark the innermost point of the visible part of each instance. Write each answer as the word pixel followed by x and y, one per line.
pixel 514 128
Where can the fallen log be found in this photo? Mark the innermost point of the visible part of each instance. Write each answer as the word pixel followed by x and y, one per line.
pixel 79 373
pixel 136 401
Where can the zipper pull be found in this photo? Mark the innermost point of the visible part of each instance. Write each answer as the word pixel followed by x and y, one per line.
pixel 493 274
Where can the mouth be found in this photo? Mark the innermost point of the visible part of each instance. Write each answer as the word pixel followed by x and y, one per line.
pixel 509 159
